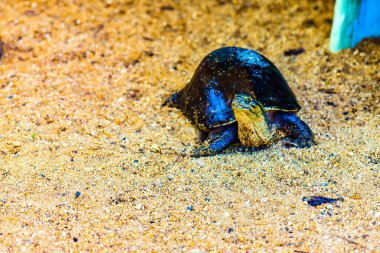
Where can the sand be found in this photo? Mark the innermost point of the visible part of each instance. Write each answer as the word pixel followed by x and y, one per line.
pixel 90 161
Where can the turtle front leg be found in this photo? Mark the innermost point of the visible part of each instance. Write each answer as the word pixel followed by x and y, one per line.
pixel 217 141
pixel 202 135
pixel 300 133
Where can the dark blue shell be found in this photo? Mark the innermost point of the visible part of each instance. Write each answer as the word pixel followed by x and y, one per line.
pixel 206 99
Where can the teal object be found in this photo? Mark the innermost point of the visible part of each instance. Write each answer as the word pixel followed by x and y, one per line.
pixel 354 20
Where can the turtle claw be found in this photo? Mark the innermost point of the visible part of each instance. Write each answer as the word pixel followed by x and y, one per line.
pixel 202 151
pixel 300 135
pixel 299 143
pixel 217 141
pixel 244 149
pixel 306 143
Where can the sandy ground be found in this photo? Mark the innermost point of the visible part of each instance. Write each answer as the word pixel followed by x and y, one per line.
pixel 90 161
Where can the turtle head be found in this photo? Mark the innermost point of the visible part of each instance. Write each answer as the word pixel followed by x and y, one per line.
pixel 254 127
pixel 244 103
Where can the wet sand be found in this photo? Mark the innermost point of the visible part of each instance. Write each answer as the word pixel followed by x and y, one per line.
pixel 90 161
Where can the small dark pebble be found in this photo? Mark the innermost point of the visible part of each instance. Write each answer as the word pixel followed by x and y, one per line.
pixel 288 230
pixel 327 20
pixel 149 53
pixel 167 8
pixel 30 13
pixel 230 230
pixel 131 63
pixel 75 239
pixel 331 103
pixel 327 90
pixel 319 200
pixel 372 160
pixel 147 38
pixel 295 51
pixel 77 194
pixel 190 208
pixel 309 23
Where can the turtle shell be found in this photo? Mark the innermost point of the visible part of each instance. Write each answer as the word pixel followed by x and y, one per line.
pixel 206 99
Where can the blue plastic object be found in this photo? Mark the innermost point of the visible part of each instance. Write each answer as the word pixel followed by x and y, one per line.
pixel 354 20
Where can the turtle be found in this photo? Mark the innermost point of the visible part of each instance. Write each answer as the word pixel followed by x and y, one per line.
pixel 238 95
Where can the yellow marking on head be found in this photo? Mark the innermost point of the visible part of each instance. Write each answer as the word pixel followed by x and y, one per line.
pixel 254 129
